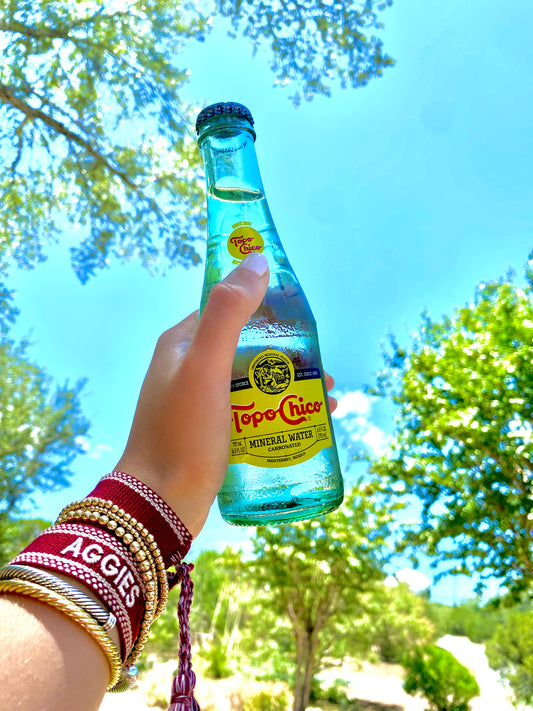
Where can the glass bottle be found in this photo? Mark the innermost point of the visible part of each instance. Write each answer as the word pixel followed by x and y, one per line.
pixel 283 461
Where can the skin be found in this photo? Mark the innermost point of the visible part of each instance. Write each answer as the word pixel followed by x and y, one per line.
pixel 178 445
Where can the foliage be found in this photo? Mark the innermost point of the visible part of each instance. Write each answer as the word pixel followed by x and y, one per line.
pixel 334 694
pixel 440 678
pixel 41 431
pixel 266 641
pixel 510 651
pixel 469 619
pixel 164 638
pixel 314 43
pixel 315 572
pixel 94 134
pixel 17 533
pixel 217 584
pixel 394 622
pixel 463 439
pixel 263 701
pixel 216 656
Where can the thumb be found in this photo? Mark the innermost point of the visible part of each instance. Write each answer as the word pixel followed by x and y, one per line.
pixel 231 303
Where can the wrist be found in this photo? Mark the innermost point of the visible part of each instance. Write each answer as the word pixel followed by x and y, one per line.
pixel 189 503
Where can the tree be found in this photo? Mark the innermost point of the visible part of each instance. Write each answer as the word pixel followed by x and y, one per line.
pixel 463 433
pixel 41 432
pixel 394 623
pixel 314 573
pixel 94 134
pixel 510 652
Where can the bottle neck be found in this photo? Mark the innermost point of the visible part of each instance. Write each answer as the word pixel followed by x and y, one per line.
pixel 230 160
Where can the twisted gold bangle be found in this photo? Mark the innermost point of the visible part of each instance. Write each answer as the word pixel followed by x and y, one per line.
pixel 105 619
pixel 75 613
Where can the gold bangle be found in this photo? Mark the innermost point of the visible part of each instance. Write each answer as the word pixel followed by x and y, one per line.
pixel 75 613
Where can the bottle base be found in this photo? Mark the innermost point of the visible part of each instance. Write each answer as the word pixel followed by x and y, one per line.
pixel 257 512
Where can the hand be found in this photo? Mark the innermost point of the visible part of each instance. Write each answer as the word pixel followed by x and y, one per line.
pixel 180 437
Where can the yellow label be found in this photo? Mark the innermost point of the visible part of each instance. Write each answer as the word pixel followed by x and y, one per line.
pixel 244 240
pixel 279 415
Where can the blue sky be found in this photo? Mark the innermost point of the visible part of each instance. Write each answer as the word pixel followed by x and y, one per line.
pixel 390 199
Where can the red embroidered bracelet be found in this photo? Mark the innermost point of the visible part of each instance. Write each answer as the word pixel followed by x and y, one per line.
pixel 146 506
pixel 99 561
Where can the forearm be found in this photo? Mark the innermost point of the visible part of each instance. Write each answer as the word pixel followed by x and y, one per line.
pixel 124 541
pixel 47 661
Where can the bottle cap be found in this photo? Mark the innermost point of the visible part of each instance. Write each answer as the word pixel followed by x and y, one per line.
pixel 223 108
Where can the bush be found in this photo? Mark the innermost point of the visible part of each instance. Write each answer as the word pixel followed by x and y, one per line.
pixel 216 657
pixel 334 694
pixel 469 619
pixel 510 652
pixel 437 675
pixel 263 701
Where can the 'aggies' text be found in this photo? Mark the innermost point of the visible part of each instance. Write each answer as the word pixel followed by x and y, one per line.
pixel 109 565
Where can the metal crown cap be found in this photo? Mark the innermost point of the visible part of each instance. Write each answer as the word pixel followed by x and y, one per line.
pixel 227 108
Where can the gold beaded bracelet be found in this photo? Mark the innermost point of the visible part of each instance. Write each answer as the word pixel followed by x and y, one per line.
pixel 145 549
pixel 75 613
pixel 130 530
pixel 149 582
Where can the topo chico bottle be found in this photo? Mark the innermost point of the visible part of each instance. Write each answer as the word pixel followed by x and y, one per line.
pixel 283 461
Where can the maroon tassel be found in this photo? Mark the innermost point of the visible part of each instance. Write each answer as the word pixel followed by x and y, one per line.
pixel 181 698
pixel 182 694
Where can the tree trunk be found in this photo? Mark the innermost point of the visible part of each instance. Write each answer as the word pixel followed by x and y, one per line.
pixel 306 646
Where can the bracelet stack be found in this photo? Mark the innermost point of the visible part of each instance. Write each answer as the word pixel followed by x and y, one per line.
pixel 124 544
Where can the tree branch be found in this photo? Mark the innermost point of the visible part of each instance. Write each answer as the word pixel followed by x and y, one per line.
pixel 8 96
pixel 41 32
pixel 20 143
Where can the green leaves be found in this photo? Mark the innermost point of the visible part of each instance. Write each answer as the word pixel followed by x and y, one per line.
pixel 440 678
pixel 41 431
pixel 315 573
pixel 315 44
pixel 464 432
pixel 94 133
pixel 510 651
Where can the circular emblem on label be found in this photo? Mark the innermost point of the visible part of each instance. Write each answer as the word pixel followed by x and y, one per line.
pixel 271 372
pixel 243 241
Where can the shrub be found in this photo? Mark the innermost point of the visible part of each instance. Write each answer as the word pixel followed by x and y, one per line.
pixel 510 652
pixel 469 619
pixel 216 657
pixel 263 701
pixel 334 694
pixel 437 675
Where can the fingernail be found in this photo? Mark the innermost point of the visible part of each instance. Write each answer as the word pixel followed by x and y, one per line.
pixel 255 262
